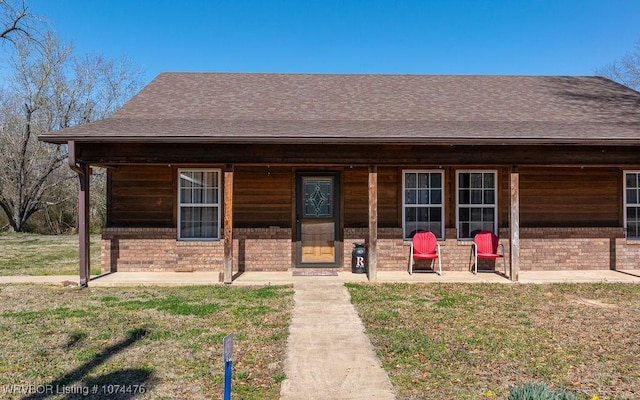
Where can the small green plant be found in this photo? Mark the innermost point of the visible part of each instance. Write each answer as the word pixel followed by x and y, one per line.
pixel 279 377
pixel 451 299
pixel 538 391
pixel 75 337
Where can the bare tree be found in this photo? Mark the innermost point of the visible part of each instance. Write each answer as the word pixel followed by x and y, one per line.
pixel 15 20
pixel 626 70
pixel 51 90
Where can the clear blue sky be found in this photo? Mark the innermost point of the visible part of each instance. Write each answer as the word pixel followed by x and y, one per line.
pixel 536 37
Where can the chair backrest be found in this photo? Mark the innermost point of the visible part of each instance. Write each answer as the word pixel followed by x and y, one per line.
pixel 424 243
pixel 486 241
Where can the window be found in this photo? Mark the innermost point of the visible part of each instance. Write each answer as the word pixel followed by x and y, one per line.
pixel 422 204
pixel 632 204
pixel 477 202
pixel 199 204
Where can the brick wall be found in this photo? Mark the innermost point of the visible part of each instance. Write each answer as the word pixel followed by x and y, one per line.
pixel 548 249
pixel 392 251
pixel 627 254
pixel 262 249
pixel 156 249
pixel 540 249
pixel 271 249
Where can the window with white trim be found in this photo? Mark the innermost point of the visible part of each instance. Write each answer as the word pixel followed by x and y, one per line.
pixel 199 204
pixel 632 204
pixel 422 202
pixel 477 202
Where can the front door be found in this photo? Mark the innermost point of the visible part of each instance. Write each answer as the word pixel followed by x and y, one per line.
pixel 317 219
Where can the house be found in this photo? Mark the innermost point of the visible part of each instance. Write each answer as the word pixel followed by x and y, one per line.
pixel 240 172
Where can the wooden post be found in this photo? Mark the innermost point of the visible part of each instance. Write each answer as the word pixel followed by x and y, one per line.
pixel 227 271
pixel 372 269
pixel 84 176
pixel 515 224
pixel 83 225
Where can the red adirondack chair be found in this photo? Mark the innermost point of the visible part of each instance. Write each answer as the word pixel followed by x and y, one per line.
pixel 425 246
pixel 485 245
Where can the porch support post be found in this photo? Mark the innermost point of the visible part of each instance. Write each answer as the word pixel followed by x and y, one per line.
pixel 514 227
pixel 227 271
pixel 84 175
pixel 373 224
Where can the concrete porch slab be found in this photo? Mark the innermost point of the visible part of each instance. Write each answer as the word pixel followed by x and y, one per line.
pixel 287 278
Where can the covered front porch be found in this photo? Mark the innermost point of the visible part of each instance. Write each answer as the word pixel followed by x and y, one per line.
pixel 260 204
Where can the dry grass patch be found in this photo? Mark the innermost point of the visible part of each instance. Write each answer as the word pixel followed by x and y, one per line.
pixel 166 340
pixel 474 341
pixel 29 254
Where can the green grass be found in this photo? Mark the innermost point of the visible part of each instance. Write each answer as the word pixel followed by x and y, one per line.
pixel 166 340
pixel 30 254
pixel 474 341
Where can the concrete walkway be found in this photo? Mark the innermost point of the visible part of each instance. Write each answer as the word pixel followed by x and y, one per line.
pixel 328 354
pixel 287 278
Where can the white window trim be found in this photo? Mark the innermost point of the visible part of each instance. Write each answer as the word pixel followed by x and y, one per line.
pixel 442 205
pixel 625 204
pixel 217 204
pixel 495 205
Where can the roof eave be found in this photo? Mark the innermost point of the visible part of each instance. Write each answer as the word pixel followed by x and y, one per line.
pixel 440 141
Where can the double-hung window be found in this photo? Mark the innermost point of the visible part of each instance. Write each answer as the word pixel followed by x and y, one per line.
pixel 632 204
pixel 199 204
pixel 422 202
pixel 477 202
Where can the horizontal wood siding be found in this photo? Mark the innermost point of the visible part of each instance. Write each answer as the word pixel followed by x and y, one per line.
pixel 389 197
pixel 504 197
pixel 569 197
pixel 355 183
pixel 356 200
pixel 145 196
pixel 262 197
pixel 141 196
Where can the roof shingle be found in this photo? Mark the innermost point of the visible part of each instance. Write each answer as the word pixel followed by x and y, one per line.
pixel 307 108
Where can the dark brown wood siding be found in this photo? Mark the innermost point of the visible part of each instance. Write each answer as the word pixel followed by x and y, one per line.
pixel 141 196
pixel 145 196
pixel 262 196
pixel 356 197
pixel 569 197
pixel 504 196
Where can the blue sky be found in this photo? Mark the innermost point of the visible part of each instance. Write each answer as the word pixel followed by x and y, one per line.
pixel 543 37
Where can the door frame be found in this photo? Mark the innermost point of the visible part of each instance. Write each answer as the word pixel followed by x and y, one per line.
pixel 337 203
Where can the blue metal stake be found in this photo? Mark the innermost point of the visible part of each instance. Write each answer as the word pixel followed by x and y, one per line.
pixel 227 357
pixel 227 380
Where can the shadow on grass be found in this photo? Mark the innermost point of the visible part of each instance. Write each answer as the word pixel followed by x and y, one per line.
pixel 120 385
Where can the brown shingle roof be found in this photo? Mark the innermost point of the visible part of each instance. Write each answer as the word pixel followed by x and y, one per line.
pixel 274 108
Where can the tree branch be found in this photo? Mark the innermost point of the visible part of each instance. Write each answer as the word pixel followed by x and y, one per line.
pixel 16 22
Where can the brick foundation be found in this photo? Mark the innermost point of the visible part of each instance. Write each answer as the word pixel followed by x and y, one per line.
pixel 262 249
pixel 540 249
pixel 549 249
pixel 156 249
pixel 271 249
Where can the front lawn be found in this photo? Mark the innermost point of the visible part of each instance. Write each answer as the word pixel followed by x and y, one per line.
pixel 31 254
pixel 473 341
pixel 141 343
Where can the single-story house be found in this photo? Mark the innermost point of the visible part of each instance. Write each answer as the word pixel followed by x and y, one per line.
pixel 238 172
